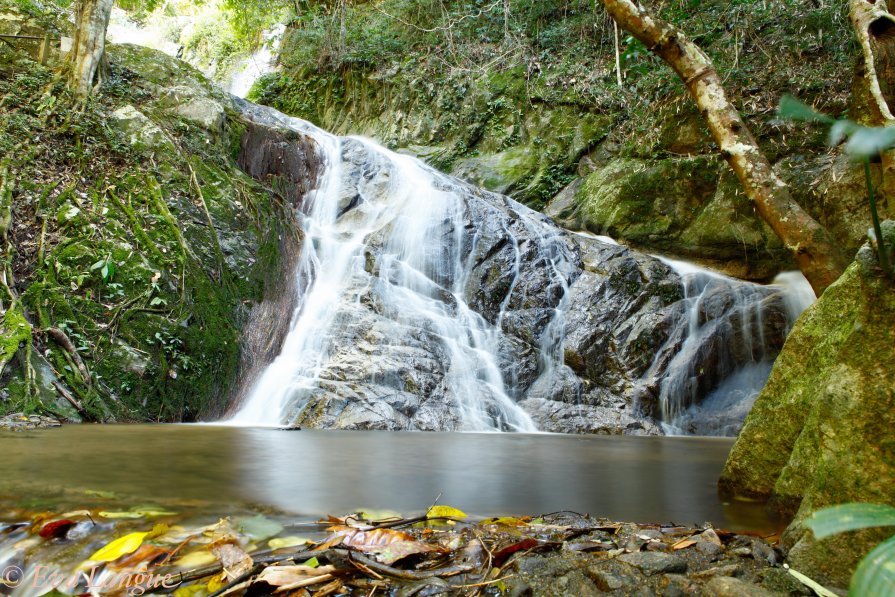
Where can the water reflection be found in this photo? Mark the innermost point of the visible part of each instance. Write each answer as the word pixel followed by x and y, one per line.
pixel 309 473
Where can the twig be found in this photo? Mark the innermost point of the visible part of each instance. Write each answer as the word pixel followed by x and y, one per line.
pixel 407 574
pixel 71 400
pixel 65 342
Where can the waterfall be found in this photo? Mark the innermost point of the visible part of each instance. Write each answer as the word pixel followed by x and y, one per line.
pixel 725 317
pixel 260 63
pixel 424 303
pixel 386 234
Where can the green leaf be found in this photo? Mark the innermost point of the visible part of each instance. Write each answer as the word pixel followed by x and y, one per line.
pixel 840 130
pixel 312 563
pixel 867 142
pixel 876 572
pixel 792 109
pixel 97 265
pixel 850 517
pixel 259 528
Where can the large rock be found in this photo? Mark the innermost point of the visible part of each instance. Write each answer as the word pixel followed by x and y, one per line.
pixel 687 206
pixel 820 433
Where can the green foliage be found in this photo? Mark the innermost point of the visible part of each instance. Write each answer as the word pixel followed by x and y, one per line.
pixel 864 143
pixel 875 574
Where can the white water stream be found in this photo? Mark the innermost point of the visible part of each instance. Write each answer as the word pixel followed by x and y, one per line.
pixel 415 216
pixel 723 409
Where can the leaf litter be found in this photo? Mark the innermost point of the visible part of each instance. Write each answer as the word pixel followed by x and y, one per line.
pixel 443 551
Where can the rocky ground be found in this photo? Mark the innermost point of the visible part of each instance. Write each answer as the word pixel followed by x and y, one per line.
pixel 438 553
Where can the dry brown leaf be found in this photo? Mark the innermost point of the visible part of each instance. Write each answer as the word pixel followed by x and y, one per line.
pixel 683 544
pixel 711 536
pixel 145 555
pixel 236 562
pixel 286 578
pixel 368 540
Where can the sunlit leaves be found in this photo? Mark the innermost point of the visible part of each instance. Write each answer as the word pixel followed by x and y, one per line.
pixel 119 547
pixel 445 512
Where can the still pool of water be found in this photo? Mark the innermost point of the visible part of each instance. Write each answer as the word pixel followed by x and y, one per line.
pixel 310 473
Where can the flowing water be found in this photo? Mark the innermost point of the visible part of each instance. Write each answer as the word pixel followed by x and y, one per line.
pixel 743 358
pixel 260 63
pixel 415 219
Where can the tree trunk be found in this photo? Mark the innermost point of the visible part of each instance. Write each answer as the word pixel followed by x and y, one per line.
pixel 819 257
pixel 89 46
pixel 874 90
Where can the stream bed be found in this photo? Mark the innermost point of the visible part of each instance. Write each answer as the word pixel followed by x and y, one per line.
pixel 302 475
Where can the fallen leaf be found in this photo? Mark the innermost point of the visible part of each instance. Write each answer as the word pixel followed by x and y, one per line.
pixel 56 529
pixel 445 512
pixel 195 559
pixel 192 590
pixel 683 544
pixel 286 578
pixel 393 552
pixel 501 555
pixel 258 527
pixel 235 561
pixel 283 542
pixel 119 547
pixel 121 515
pixel 368 540
pixel 506 521
pixel 387 545
pixel 147 555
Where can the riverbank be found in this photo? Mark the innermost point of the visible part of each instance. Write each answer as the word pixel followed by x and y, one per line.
pixel 439 552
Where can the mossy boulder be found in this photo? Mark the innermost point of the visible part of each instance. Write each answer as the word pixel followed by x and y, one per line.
pixel 687 206
pixel 820 433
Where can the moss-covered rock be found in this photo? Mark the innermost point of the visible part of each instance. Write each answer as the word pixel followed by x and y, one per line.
pixel 135 236
pixel 820 433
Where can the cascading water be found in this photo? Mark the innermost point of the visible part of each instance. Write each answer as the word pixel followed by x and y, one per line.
pixel 260 63
pixel 384 229
pixel 698 402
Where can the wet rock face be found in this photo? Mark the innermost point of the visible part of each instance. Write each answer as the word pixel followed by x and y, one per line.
pixel 273 157
pixel 584 335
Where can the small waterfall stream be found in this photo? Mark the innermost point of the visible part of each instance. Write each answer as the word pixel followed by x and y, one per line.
pixel 743 356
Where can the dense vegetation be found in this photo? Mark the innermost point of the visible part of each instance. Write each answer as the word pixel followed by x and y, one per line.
pixel 135 246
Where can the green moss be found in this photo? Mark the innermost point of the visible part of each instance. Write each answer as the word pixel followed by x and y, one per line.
pixel 159 332
pixel 819 432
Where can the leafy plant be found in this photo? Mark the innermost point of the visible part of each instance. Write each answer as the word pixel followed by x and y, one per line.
pixel 864 143
pixel 875 574
pixel 106 269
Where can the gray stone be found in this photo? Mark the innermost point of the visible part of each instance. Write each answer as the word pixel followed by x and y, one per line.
pixel 651 563
pixel 726 586
pixel 141 131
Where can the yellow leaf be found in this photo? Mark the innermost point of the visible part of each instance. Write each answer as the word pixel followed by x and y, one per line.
pixel 196 559
pixel 119 547
pixel 218 582
pixel 281 542
pixel 157 531
pixel 192 591
pixel 444 512
pixel 506 521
